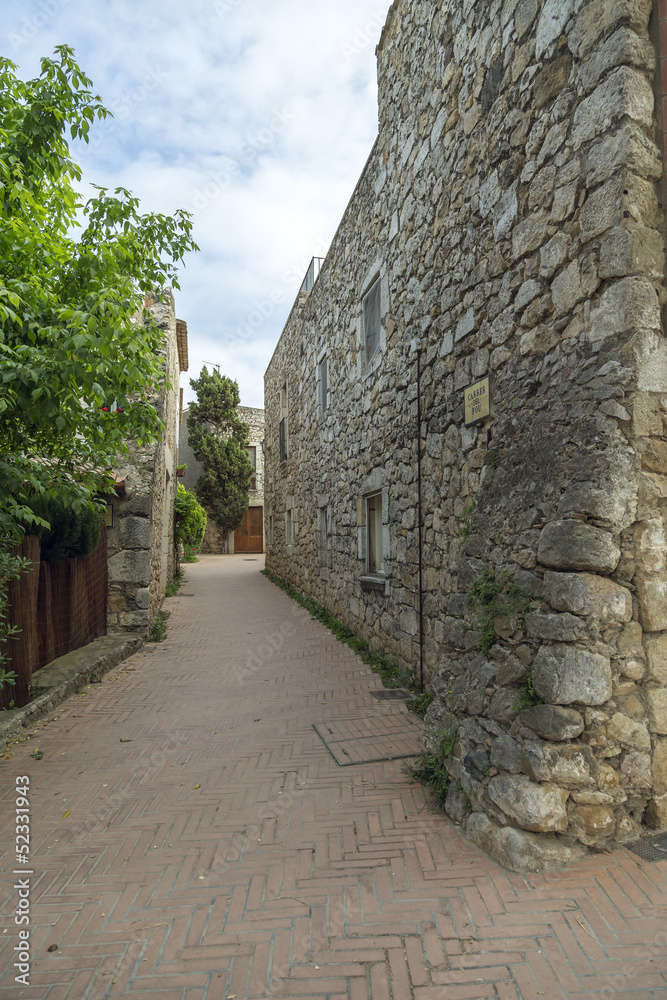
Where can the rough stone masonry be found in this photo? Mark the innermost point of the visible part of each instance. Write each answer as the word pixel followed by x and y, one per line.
pixel 511 209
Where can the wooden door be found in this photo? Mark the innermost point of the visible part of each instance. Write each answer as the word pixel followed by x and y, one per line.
pixel 250 536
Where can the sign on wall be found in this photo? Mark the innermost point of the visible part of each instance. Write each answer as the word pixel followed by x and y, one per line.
pixel 478 401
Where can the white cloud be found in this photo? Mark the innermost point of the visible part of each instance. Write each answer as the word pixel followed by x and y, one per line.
pixel 258 115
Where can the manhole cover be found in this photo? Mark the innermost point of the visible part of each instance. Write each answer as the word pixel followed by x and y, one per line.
pixel 650 848
pixel 186 595
pixel 251 560
pixel 392 694
pixel 373 738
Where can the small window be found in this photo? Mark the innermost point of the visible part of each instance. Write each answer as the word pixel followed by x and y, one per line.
pixel 323 536
pixel 252 455
pixel 374 563
pixel 288 527
pixel 372 320
pixel 322 387
pixel 270 530
pixel 284 431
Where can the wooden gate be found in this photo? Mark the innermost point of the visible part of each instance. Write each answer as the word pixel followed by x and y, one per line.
pixel 250 536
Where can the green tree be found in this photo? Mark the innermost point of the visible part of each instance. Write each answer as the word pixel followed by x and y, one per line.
pixel 73 276
pixel 219 440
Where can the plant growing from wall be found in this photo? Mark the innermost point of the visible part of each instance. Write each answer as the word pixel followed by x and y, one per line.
pixel 219 440
pixel 189 519
pixel 431 768
pixel 467 519
pixel 493 595
pixel 528 696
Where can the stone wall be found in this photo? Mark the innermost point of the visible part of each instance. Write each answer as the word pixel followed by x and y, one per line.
pixel 510 208
pixel 142 556
pixel 216 541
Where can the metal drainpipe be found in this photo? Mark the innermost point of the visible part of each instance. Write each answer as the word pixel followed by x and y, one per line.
pixel 416 347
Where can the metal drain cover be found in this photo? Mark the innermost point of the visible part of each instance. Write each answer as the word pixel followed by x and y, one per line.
pixel 650 848
pixel 371 739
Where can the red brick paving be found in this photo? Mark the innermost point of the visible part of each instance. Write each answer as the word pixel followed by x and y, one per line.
pixel 222 852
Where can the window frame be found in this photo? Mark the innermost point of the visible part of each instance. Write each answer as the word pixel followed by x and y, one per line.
pixel 373 287
pixel 374 534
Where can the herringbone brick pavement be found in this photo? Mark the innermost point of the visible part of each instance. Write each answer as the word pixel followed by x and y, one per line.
pixel 193 839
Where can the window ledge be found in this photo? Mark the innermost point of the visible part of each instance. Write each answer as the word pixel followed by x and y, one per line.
pixel 372 582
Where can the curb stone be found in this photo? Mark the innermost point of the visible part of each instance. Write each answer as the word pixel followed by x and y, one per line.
pixel 63 677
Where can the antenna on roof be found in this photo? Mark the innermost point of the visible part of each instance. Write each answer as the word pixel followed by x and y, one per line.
pixel 212 365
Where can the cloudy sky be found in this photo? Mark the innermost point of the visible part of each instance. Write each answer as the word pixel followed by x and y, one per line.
pixel 255 115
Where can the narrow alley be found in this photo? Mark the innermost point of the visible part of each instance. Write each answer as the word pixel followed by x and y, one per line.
pixel 192 838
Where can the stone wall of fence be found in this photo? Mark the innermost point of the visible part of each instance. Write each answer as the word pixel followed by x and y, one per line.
pixel 512 211
pixel 142 553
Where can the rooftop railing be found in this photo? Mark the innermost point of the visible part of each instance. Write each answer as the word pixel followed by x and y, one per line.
pixel 312 274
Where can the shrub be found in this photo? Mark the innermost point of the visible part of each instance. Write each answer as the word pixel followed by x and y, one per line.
pixel 190 519
pixel 71 532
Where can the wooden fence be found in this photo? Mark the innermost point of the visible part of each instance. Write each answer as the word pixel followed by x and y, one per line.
pixel 59 606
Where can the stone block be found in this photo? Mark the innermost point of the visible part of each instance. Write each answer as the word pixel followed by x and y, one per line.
pixel 529 235
pixel 553 254
pixel 134 619
pixel 656 813
pixel 510 671
pixel 572 544
pixel 629 148
pixel 652 597
pixel 140 505
pixel 594 821
pixel 130 567
pixel 639 250
pixel 506 755
pixel 563 674
pixel 518 850
pixel 558 628
pixel 657 707
pixel 143 597
pixel 457 804
pixel 624 94
pixel 636 771
pixel 598 18
pixel 623 48
pixel 502 707
pixel 659 765
pixel 538 808
pixel 585 594
pixel 479 676
pixel 569 765
pixel 555 15
pixel 553 722
pixel 656 651
pixel 524 15
pixel 566 289
pixel 629 304
pixel 438 720
pixel 654 459
pixel 628 733
pixel 135 532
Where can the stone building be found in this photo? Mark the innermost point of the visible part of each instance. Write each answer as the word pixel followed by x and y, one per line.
pixel 140 520
pixel 249 537
pixel 506 236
